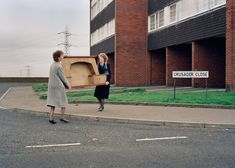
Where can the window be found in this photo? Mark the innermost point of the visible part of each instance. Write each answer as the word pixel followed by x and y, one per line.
pixel 109 28
pixel 93 10
pixel 152 22
pixel 97 6
pixel 202 5
pixel 218 2
pixel 106 2
pixel 103 32
pixel 180 10
pixel 161 18
pixel 112 27
pixel 157 20
pixel 211 3
pixel 173 13
pixel 101 4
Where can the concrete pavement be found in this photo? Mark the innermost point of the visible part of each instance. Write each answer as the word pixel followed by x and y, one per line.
pixel 25 98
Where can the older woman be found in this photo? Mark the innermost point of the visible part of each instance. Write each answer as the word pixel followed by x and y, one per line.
pixel 56 96
pixel 102 92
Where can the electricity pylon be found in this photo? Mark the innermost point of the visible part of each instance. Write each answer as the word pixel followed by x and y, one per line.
pixel 66 42
pixel 28 70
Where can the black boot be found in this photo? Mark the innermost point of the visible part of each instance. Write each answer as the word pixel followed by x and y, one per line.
pixel 101 108
pixel 64 120
pixel 52 121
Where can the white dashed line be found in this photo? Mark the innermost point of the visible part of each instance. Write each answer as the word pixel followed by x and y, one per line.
pixel 162 138
pixel 2 108
pixel 1 98
pixel 54 145
pixel 4 94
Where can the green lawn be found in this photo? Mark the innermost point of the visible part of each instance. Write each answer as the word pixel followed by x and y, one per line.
pixel 40 87
pixel 139 95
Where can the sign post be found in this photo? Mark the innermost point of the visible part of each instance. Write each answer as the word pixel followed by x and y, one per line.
pixel 190 74
pixel 174 87
pixel 206 88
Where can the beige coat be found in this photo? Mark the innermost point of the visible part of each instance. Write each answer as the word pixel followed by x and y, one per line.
pixel 56 95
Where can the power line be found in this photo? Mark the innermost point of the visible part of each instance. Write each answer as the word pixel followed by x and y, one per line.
pixel 21 74
pixel 28 70
pixel 66 43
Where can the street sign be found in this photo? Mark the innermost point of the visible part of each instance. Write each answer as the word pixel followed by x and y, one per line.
pixel 190 74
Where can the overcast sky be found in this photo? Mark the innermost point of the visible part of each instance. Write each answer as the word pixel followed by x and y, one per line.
pixel 28 33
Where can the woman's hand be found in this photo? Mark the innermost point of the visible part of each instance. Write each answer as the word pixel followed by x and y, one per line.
pixel 68 87
pixel 107 83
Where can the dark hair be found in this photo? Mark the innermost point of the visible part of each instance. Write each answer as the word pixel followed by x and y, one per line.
pixel 57 54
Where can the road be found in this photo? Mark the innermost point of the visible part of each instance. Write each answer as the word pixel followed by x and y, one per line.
pixel 5 86
pixel 108 145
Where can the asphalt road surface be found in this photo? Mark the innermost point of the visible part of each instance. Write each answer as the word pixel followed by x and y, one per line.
pixel 5 86
pixel 29 141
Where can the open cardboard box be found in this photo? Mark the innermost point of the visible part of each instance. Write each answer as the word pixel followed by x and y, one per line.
pixel 82 71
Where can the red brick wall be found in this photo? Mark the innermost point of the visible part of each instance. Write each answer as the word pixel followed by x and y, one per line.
pixel 131 56
pixel 178 58
pixel 230 46
pixel 209 55
pixel 158 67
pixel 112 68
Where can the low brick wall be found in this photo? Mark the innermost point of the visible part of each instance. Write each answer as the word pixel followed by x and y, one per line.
pixel 23 79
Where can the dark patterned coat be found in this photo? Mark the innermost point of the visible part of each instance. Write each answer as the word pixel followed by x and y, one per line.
pixel 103 91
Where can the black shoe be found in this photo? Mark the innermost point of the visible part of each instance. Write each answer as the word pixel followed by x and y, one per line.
pixel 101 109
pixel 52 121
pixel 64 120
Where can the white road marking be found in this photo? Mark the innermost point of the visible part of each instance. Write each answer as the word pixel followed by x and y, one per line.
pixel 4 94
pixel 2 108
pixel 53 145
pixel 162 138
pixel 1 98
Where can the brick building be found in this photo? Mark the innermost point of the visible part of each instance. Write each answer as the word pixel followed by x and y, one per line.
pixel 148 39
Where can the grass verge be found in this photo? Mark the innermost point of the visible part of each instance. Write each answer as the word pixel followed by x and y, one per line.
pixel 140 96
